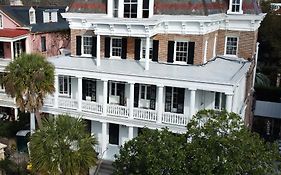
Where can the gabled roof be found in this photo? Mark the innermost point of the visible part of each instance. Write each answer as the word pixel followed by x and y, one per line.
pixel 171 7
pixel 20 14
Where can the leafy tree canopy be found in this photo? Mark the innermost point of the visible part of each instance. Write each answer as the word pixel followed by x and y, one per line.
pixel 214 143
pixel 62 147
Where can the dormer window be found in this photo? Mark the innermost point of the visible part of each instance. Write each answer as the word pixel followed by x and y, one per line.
pixel 32 17
pixel 50 16
pixel 235 7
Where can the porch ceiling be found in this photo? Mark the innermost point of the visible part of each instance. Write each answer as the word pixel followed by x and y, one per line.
pixel 221 70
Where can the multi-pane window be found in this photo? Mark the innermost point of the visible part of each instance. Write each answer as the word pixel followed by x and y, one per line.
pixel 87 45
pixel 32 16
pixel 116 47
pixel 145 92
pixel 115 8
pixel 43 44
pixel 181 51
pixel 89 90
pixel 231 46
pixel 143 42
pixel 130 8
pixel 174 99
pixel 145 9
pixel 220 101
pixel 64 85
pixel 235 6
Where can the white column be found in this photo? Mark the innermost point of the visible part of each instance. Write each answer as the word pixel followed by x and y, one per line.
pixel 147 53
pixel 131 101
pixel 205 50
pixel 32 122
pixel 228 105
pixel 215 46
pixel 110 8
pixel 104 139
pixel 160 103
pixel 12 50
pixel 105 97
pixel 131 132
pixel 79 93
pixel 98 49
pixel 121 9
pixel 16 112
pixel 56 94
pixel 192 102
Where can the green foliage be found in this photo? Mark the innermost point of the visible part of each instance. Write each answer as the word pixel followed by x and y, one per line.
pixel 214 143
pixel 29 79
pixel 11 168
pixel 152 152
pixel 62 146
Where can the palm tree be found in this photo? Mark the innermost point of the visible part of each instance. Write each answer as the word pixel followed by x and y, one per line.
pixel 29 79
pixel 62 146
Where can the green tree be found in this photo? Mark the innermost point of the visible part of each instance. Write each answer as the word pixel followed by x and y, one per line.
pixel 152 152
pixel 219 143
pixel 29 78
pixel 62 147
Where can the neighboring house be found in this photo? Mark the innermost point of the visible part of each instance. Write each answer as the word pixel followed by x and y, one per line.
pixel 30 29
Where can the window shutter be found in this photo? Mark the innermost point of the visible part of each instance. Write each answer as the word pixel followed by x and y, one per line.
pixel 136 95
pixel 46 17
pixel 191 46
pixel 78 45
pixel 137 48
pixel 155 50
pixel 23 45
pixel 94 46
pixel 171 51
pixel 152 97
pixel 124 48
pixel 54 16
pixel 107 47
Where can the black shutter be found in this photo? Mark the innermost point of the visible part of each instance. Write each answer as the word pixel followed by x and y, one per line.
pixel 23 45
pixel 124 48
pixel 152 97
pixel 191 46
pixel 137 48
pixel 171 51
pixel 107 47
pixel 180 100
pixel 84 89
pixel 78 45
pixel 136 95
pixel 94 46
pixel 121 90
pixel 155 50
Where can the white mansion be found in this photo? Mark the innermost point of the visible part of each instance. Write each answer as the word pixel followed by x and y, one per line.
pixel 154 63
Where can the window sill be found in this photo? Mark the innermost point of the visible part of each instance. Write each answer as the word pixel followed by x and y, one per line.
pixel 233 56
pixel 180 62
pixel 86 55
pixel 234 13
pixel 115 58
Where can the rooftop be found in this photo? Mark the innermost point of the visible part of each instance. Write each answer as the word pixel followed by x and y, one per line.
pixel 221 70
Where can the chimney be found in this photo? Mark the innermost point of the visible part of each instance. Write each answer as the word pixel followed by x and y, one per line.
pixel 16 3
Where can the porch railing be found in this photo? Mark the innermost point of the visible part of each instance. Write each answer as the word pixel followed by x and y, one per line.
pixel 117 110
pixel 91 106
pixel 68 103
pixel 49 101
pixel 174 118
pixel 145 114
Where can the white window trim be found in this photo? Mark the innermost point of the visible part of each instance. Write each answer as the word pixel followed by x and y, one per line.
pixel 68 86
pixel 229 11
pixel 145 92
pixel 141 50
pixel 82 47
pixel 2 21
pixel 175 50
pixel 115 57
pixel 34 15
pixel 225 45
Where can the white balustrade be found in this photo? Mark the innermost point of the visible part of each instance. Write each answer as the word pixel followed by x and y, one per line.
pixel 98 150
pixel 49 101
pixel 68 103
pixel 91 106
pixel 145 114
pixel 117 110
pixel 174 118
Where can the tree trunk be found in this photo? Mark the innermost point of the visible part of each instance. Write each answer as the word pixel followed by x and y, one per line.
pixel 32 123
pixel 38 118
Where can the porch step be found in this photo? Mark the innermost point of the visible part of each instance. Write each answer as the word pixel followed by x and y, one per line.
pixel 106 168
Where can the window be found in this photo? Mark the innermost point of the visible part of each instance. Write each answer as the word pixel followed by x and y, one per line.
pixel 181 51
pixel 43 44
pixel 87 45
pixel 1 21
pixel 220 100
pixel 231 45
pixel 130 8
pixel 145 9
pixel 235 6
pixel 64 85
pixel 32 18
pixel 50 15
pixel 143 41
pixel 174 100
pixel 116 47
pixel 145 92
pixel 113 134
pixel 89 89
pixel 18 48
pixel 115 8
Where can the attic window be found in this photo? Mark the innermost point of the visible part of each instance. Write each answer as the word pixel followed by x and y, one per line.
pixel 235 7
pixel 50 16
pixel 32 17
